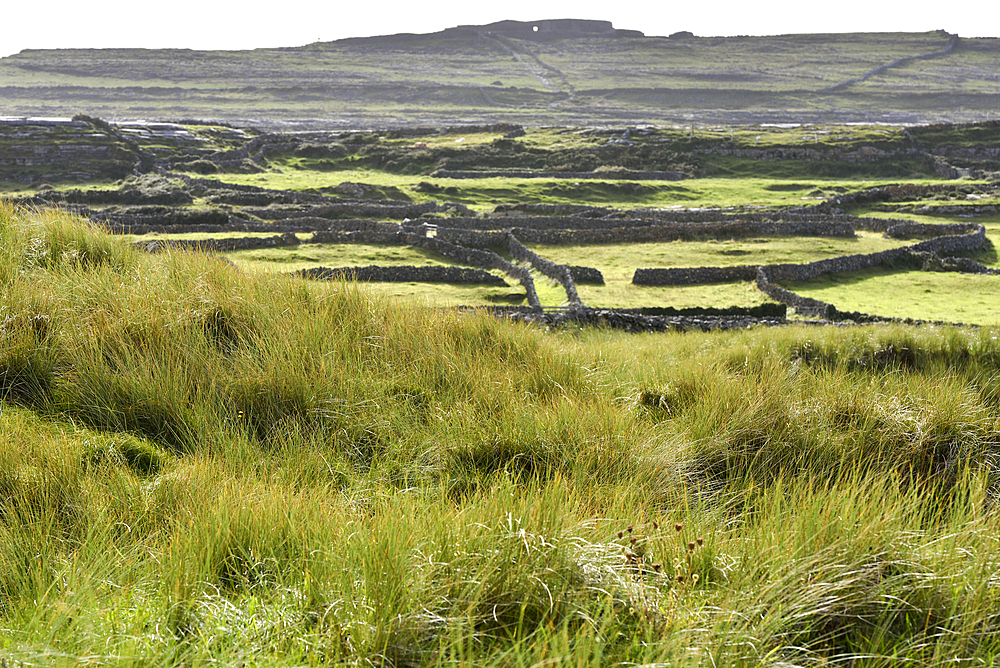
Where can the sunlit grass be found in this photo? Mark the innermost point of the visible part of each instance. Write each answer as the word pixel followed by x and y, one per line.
pixel 204 466
pixel 619 261
pixel 946 297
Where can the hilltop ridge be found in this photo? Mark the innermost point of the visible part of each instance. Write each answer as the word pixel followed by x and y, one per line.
pixel 548 72
pixel 543 30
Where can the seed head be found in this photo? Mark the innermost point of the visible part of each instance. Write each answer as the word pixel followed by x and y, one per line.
pixel 621 533
pixel 629 528
pixel 691 546
pixel 678 526
pixel 680 578
pixel 657 567
pixel 694 579
pixel 700 541
pixel 632 540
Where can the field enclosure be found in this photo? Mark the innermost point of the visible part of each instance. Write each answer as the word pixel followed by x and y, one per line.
pixel 501 215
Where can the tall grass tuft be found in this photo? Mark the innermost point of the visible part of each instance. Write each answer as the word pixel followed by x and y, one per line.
pixel 201 466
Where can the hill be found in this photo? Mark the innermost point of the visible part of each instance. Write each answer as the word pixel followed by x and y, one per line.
pixel 565 72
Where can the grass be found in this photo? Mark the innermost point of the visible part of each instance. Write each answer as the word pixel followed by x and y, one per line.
pixel 303 256
pixel 619 261
pixel 622 294
pixel 199 466
pixel 484 194
pixel 943 297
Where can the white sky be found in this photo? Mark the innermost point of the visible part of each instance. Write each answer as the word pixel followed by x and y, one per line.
pixel 218 24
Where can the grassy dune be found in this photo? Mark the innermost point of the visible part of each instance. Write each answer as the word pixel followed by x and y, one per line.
pixel 202 467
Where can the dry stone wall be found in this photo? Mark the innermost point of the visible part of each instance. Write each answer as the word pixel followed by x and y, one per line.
pixel 221 245
pixel 378 210
pixel 682 232
pixel 636 322
pixel 940 245
pixel 768 275
pixel 471 237
pixel 480 258
pixel 702 223
pixel 586 275
pixel 910 230
pixel 557 272
pixel 405 274
pixel 532 174
pixel 694 275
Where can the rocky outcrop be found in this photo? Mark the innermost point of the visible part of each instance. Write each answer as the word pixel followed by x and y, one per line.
pixel 40 150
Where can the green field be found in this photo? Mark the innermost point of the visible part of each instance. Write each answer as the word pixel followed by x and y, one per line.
pixel 923 295
pixel 290 259
pixel 619 261
pixel 204 466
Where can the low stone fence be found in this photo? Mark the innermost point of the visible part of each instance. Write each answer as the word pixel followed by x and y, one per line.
pixel 901 192
pixel 392 210
pixel 960 210
pixel 221 245
pixel 479 258
pixel 616 175
pixel 481 238
pixel 529 209
pixel 586 275
pixel 784 223
pixel 405 274
pixel 634 322
pixel 767 275
pixel 142 223
pixel 387 237
pixel 958 237
pixel 694 275
pixel 944 244
pixel 911 230
pixel 680 232
pixel 557 272
pixel 804 305
pixel 962 265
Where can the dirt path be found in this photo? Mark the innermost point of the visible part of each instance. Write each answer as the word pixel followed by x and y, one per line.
pixel 949 47
pixel 551 77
